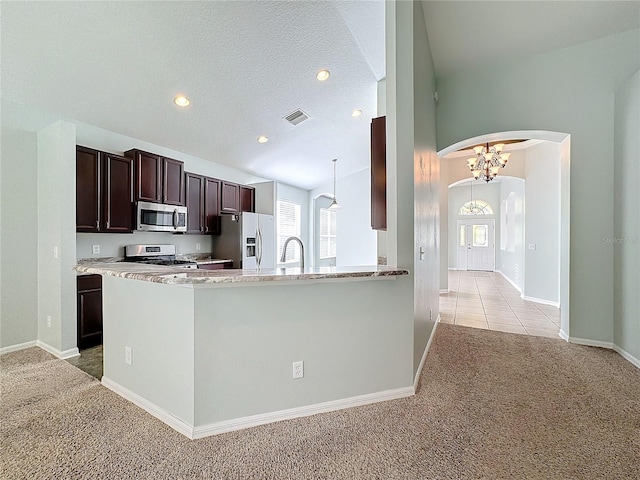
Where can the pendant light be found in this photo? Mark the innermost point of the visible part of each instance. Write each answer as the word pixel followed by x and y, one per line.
pixel 334 203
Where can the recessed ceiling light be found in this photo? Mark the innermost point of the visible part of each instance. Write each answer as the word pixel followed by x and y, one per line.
pixel 356 113
pixel 263 139
pixel 181 101
pixel 322 75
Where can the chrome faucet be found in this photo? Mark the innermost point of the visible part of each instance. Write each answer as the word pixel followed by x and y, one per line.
pixel 284 251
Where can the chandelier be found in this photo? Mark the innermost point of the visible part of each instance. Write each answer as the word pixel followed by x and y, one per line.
pixel 488 161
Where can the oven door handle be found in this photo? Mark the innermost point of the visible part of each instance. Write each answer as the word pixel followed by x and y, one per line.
pixel 176 218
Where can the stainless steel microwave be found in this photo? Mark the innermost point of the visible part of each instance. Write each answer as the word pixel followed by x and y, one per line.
pixel 156 217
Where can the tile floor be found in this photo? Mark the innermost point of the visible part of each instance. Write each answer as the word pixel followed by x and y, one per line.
pixel 89 361
pixel 486 300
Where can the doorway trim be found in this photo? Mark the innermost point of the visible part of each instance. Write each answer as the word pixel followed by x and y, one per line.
pixel 564 139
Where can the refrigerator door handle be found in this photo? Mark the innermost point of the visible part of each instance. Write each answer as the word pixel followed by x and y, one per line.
pixel 258 247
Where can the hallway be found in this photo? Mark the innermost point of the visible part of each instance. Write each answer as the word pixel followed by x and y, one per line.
pixel 486 300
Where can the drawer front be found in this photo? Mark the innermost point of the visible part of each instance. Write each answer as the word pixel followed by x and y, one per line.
pixel 89 282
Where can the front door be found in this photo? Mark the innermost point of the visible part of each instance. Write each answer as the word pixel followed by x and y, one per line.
pixel 476 245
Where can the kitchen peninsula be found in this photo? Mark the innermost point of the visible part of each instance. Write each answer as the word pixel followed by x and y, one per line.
pixel 212 351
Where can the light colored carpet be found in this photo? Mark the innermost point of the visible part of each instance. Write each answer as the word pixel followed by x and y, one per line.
pixel 490 405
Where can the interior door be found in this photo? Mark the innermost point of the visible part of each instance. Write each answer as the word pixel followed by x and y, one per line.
pixel 481 250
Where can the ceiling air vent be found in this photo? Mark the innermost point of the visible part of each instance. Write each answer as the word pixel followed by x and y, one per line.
pixel 294 118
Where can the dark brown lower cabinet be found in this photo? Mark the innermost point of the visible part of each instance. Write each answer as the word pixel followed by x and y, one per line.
pixel 89 311
pixel 215 266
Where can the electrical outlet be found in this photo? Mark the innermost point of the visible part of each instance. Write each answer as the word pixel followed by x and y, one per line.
pixel 55 252
pixel 128 355
pixel 298 369
pixel 49 321
pixel 95 249
pixel 197 247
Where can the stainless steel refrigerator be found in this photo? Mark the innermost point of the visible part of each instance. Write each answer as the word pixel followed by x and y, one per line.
pixel 248 239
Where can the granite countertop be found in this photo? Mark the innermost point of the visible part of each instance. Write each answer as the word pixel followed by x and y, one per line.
pixel 185 276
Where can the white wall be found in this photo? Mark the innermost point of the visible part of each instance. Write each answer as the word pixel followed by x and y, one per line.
pixel 571 91
pixel 356 241
pixel 542 221
pixel 510 261
pixel 626 239
pixel 461 194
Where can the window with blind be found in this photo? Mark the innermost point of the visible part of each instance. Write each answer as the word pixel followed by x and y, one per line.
pixel 288 225
pixel 327 233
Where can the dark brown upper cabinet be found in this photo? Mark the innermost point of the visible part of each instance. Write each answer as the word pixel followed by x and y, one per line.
pixel 247 199
pixel 378 174
pixel 117 194
pixel 104 192
pixel 211 206
pixel 88 190
pixel 158 179
pixel 172 184
pixel 194 186
pixel 229 197
pixel 203 204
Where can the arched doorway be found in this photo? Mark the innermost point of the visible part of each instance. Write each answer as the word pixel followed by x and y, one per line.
pixel 562 144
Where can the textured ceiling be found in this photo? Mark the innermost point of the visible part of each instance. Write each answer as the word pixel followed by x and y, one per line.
pixel 245 65
pixel 465 34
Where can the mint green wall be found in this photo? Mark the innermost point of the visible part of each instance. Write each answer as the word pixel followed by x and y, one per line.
pixel 413 169
pixel 56 229
pixel 18 270
pixel 542 222
pixel 626 222
pixel 572 91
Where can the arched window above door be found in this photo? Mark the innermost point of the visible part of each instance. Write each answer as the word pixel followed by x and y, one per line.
pixel 476 207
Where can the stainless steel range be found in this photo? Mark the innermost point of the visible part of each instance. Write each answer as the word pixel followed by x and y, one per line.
pixel 156 255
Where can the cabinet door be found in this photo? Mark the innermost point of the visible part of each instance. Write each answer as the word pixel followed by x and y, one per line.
pixel 88 178
pixel 378 174
pixel 117 194
pixel 229 197
pixel 173 182
pixel 89 311
pixel 148 174
pixel 195 202
pixel 211 206
pixel 247 199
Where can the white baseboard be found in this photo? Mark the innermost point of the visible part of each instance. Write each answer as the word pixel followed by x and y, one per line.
pixel 254 420
pixel 591 343
pixel 540 300
pixel 174 422
pixel 72 352
pixel 611 346
pixel 563 335
pixel 444 290
pixel 513 284
pixel 17 347
pixel 627 356
pixel 424 355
